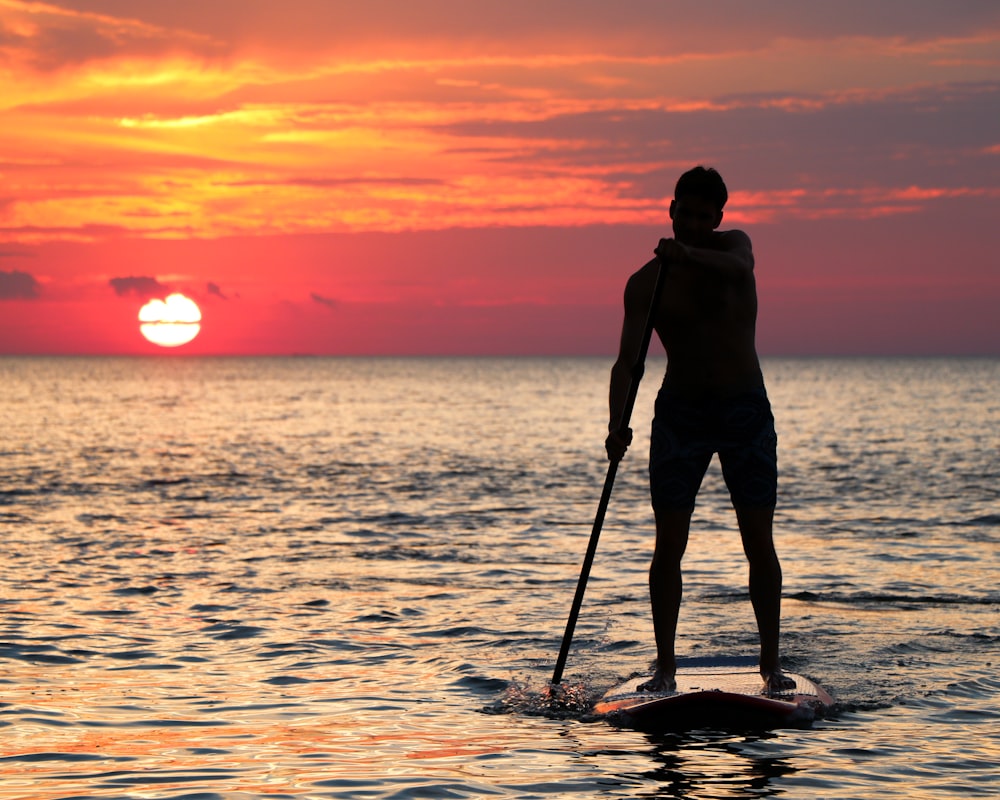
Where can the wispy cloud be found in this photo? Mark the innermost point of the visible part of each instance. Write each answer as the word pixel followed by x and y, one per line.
pixel 551 164
pixel 48 36
pixel 328 302
pixel 171 122
pixel 141 286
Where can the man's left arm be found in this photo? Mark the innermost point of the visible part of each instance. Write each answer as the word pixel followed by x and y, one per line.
pixel 732 258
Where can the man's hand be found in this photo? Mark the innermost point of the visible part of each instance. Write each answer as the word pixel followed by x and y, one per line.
pixel 671 251
pixel 616 444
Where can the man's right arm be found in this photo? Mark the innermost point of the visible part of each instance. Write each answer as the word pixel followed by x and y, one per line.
pixel 637 293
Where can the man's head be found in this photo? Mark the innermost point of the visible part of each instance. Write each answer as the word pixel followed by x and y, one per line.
pixel 696 209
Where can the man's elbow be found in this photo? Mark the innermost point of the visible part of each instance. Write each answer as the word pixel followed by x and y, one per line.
pixel 745 259
pixel 622 367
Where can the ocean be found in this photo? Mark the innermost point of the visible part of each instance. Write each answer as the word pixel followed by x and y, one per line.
pixel 349 578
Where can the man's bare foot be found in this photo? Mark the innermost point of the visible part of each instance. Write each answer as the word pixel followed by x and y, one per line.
pixel 776 681
pixel 662 681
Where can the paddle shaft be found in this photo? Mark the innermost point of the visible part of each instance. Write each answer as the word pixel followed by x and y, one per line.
pixel 635 376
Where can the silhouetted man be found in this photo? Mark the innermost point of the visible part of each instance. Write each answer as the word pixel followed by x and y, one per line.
pixel 712 401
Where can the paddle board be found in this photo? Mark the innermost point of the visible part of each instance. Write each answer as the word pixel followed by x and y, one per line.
pixel 720 693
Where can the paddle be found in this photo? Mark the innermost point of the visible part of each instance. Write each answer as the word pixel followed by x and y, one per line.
pixel 635 375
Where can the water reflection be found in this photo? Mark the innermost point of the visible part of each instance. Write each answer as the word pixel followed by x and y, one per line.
pixel 306 578
pixel 713 767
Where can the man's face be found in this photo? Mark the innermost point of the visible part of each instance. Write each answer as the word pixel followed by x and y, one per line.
pixel 694 219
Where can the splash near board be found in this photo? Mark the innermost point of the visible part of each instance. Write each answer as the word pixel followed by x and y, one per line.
pixel 715 693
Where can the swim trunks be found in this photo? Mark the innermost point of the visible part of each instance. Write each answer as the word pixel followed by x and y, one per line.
pixel 687 432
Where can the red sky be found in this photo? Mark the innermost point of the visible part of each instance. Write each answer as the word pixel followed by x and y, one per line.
pixel 447 177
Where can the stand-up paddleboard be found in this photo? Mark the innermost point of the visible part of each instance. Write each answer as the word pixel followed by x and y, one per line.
pixel 721 693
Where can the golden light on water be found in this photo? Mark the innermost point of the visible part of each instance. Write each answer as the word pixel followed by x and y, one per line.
pixel 171 322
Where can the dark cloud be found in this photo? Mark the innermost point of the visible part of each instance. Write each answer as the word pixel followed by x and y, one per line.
pixel 141 286
pixel 903 137
pixel 18 285
pixel 213 288
pixel 680 25
pixel 58 36
pixel 329 302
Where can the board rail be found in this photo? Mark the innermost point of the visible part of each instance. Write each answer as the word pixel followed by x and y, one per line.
pixel 715 693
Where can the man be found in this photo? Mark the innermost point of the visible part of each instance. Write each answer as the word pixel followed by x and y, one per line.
pixel 712 401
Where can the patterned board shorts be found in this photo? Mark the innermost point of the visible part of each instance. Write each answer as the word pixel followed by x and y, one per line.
pixel 686 433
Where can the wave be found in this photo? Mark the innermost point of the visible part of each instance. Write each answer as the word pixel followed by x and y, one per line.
pixel 885 598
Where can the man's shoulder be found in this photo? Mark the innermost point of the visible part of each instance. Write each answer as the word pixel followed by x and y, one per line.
pixel 646 273
pixel 733 239
pixel 640 283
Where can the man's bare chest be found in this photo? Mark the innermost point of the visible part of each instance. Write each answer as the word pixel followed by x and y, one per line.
pixel 696 299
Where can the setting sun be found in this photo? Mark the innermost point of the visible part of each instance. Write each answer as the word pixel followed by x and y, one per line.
pixel 171 322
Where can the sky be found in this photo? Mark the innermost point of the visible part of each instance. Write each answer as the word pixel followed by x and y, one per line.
pixel 442 177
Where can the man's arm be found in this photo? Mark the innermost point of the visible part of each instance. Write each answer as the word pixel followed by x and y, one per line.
pixel 732 258
pixel 637 294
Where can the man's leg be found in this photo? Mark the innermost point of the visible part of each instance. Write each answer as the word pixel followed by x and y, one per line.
pixel 765 590
pixel 665 589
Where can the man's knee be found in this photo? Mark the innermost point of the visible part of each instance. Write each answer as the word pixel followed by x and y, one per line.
pixel 756 531
pixel 672 527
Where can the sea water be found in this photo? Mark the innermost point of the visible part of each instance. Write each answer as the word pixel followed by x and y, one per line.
pixel 349 578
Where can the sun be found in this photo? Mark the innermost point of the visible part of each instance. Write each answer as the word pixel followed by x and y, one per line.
pixel 171 322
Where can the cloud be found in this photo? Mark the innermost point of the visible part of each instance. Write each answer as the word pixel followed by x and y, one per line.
pixel 439 114
pixel 329 302
pixel 213 288
pixel 356 180
pixel 142 286
pixel 17 285
pixel 51 36
pixel 391 27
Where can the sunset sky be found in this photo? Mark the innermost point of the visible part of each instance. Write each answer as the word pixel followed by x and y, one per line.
pixel 456 177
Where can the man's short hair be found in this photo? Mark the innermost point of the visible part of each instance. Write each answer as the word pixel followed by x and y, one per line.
pixel 703 182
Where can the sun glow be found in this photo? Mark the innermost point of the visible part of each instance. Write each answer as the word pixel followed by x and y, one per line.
pixel 171 322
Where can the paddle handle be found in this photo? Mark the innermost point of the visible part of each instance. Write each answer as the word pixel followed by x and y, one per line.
pixel 635 376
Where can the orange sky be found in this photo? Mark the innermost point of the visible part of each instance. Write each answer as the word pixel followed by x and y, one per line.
pixel 453 177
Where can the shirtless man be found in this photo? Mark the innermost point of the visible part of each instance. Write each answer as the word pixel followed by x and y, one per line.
pixel 712 401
